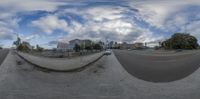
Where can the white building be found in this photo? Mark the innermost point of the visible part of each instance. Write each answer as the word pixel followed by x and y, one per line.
pixel 72 43
pixel 82 43
pixel 62 46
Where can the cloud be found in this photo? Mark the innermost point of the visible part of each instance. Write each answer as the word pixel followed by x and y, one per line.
pixel 130 21
pixel 107 22
pixel 50 23
pixel 52 43
pixel 156 12
pixel 29 37
pixel 9 9
pixel 99 13
pixel 117 30
pixel 8 25
pixel 193 28
pixel 6 36
pixel 6 33
pixel 30 5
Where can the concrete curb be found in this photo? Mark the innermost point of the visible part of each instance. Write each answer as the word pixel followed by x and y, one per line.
pixel 58 70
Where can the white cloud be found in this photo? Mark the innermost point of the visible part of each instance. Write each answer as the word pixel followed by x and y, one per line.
pixel 99 13
pixel 7 28
pixel 156 12
pixel 30 5
pixel 105 12
pixel 50 23
pixel 117 30
pixel 193 28
pixel 106 22
pixel 100 22
pixel 29 37
pixel 10 8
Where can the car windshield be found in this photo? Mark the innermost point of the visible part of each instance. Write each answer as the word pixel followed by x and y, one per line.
pixel 99 49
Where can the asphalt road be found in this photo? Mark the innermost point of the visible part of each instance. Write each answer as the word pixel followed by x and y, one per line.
pixel 3 54
pixel 155 68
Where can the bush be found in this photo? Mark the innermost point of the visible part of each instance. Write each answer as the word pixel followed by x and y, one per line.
pixel 98 47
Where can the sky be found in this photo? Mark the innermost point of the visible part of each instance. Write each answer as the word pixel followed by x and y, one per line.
pixel 45 22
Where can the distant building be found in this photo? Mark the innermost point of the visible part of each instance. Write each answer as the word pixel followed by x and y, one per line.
pixel 62 46
pixel 82 43
pixel 153 44
pixel 130 46
pixel 139 45
pixel 86 42
pixel 72 43
pixel 110 44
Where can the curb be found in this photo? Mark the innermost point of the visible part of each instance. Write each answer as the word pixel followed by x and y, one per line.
pixel 55 70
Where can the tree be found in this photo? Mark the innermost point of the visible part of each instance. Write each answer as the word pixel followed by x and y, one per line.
pixel 88 47
pixel 17 42
pixel 24 46
pixel 180 41
pixel 1 47
pixel 98 47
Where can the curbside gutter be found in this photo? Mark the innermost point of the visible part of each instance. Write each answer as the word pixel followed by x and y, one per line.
pixel 79 68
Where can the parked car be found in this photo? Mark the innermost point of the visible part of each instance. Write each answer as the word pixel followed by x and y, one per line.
pixel 107 52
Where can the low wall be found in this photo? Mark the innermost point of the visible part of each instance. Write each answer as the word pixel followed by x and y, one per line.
pixel 63 64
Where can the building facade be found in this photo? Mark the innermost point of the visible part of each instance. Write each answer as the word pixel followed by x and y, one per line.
pixel 82 43
pixel 72 43
pixel 62 46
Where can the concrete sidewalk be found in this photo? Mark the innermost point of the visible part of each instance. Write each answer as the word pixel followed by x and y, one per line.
pixel 61 65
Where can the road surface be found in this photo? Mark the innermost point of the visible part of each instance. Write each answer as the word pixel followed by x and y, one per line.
pixel 105 79
pixel 155 68
pixel 3 54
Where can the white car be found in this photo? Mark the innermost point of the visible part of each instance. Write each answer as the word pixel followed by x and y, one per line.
pixel 107 52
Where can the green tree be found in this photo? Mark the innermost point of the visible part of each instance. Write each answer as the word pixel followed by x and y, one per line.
pixel 180 41
pixel 88 47
pixel 24 47
pixel 97 47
